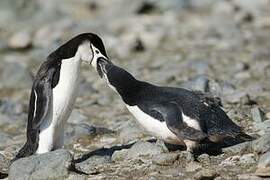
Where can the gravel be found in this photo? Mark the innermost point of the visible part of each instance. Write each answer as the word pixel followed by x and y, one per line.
pixel 219 47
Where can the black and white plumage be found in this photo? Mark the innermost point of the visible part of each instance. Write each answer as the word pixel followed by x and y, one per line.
pixel 176 115
pixel 54 92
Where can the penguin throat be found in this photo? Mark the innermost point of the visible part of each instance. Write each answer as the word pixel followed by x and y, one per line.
pixel 122 82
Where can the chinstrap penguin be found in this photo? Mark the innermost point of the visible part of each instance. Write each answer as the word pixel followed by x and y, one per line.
pixel 175 115
pixel 54 92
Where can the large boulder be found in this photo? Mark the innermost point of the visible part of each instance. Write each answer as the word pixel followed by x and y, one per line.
pixel 52 165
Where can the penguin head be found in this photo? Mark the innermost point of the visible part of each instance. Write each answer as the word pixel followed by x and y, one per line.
pixel 91 49
pixel 87 46
pixel 102 66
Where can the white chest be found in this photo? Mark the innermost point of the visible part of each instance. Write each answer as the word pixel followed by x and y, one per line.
pixel 160 129
pixel 153 126
pixel 64 94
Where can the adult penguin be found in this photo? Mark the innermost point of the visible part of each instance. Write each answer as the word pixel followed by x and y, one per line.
pixel 54 92
pixel 176 115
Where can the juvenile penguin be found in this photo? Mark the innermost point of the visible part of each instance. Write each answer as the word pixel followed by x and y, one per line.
pixel 176 115
pixel 54 92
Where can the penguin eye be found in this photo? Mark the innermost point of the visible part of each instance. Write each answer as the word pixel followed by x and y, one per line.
pixel 97 52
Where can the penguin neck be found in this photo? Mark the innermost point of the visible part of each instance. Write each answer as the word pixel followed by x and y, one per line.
pixel 123 83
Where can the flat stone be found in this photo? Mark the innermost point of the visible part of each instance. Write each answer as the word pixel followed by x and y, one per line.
pixel 77 177
pixel 248 177
pixel 93 163
pixel 257 114
pixel 20 40
pixel 193 166
pixel 52 165
pixel 144 149
pixel 247 159
pixel 204 158
pixel 77 117
pixel 206 174
pixel 230 161
pixel 164 159
pixel 130 133
pixel 263 126
pixel 120 155
pixel 262 144
pixel 264 165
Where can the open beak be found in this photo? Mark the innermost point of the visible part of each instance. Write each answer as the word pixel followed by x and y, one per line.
pixel 101 66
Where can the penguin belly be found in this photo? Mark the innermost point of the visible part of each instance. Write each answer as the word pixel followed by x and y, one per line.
pixel 154 127
pixel 51 135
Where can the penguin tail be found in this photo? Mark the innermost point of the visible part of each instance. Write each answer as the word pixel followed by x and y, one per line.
pixel 30 147
pixel 237 139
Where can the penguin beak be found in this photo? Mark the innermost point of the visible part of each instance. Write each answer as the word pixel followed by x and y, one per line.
pixel 101 66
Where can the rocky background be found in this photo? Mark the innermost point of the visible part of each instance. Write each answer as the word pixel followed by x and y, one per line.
pixel 222 47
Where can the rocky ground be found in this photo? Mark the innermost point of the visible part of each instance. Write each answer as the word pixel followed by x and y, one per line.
pixel 221 47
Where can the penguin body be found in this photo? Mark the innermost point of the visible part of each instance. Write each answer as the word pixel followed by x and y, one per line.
pixel 176 115
pixel 54 92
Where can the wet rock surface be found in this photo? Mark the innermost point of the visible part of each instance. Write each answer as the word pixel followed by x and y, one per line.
pixel 219 47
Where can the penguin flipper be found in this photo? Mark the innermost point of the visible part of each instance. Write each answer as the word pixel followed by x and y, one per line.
pixel 172 114
pixel 38 109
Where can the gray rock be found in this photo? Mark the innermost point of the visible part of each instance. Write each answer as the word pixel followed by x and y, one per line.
pixel 262 144
pixel 263 126
pixel 251 6
pixel 5 139
pixel 239 148
pixel 15 76
pixel 238 97
pixel 164 159
pixel 76 177
pixel 200 66
pixel 264 165
pixel 11 107
pixel 193 166
pixel 77 117
pixel 198 83
pixel 92 164
pixel 144 149
pixel 220 88
pixel 257 114
pixel 120 155
pixel 3 163
pixel 206 174
pixel 230 161
pixel 129 133
pixel 74 131
pixel 4 119
pixel 204 158
pixel 186 155
pixel 20 40
pixel 248 177
pixel 171 4
pixel 247 159
pixel 52 165
pixel 267 115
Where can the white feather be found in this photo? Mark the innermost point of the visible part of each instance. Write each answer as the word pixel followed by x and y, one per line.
pixel 154 126
pixel 160 129
pixel 63 98
pixel 35 108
